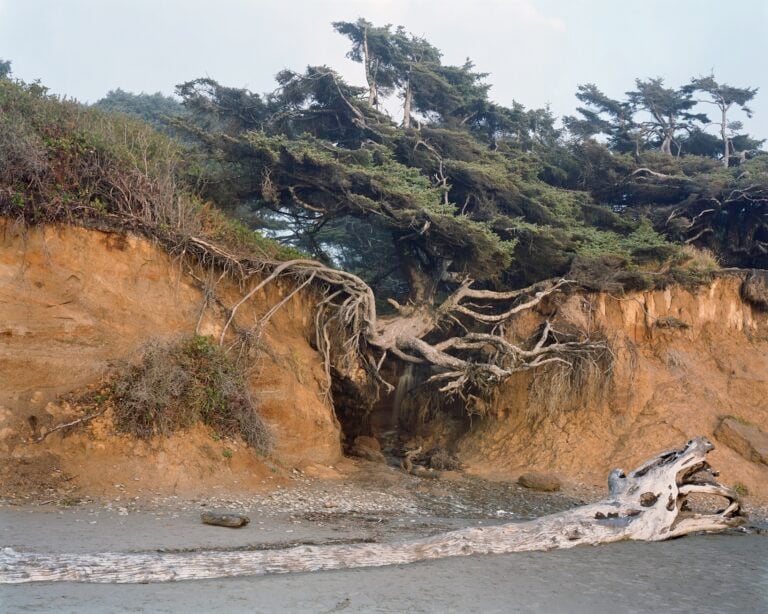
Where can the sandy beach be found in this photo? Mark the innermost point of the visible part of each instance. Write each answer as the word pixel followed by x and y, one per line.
pixel 716 573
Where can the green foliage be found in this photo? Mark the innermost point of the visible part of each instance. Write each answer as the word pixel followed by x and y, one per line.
pixel 655 117
pixel 605 116
pixel 61 161
pixel 176 385
pixel 239 239
pixel 477 188
pixel 69 161
pixel 155 109
pixel 741 489
pixel 373 47
pixel 306 179
pixel 642 246
pixel 462 187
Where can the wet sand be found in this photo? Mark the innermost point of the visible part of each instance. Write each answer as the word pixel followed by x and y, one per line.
pixel 695 574
pixel 715 573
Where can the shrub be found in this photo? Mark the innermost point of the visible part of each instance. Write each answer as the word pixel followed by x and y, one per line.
pixel 442 460
pixel 63 162
pixel 178 384
pixel 699 259
pixel 608 273
pixel 754 289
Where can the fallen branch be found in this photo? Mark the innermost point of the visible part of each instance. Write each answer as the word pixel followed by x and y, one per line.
pixel 66 425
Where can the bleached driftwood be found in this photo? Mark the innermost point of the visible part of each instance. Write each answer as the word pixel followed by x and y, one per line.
pixel 647 504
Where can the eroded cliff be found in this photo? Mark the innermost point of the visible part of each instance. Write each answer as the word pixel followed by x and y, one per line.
pixel 683 360
pixel 74 302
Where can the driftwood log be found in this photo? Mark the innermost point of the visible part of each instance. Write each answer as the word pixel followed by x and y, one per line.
pixel 647 504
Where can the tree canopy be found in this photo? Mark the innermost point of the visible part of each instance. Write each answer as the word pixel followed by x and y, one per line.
pixel 429 230
pixel 155 109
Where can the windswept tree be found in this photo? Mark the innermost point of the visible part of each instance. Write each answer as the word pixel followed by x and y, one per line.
pixel 602 115
pixel 427 239
pixel 447 94
pixel 218 107
pixel 5 69
pixel 374 48
pixel 156 109
pixel 725 97
pixel 669 110
pixel 414 59
pixel 436 219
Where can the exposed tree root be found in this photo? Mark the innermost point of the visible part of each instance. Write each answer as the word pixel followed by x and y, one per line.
pixel 350 335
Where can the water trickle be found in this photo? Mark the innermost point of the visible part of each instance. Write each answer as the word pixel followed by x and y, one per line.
pixel 404 384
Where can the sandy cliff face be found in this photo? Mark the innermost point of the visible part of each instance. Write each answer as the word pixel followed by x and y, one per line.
pixel 683 360
pixel 74 301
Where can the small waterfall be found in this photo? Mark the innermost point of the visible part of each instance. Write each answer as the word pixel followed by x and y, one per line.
pixel 404 384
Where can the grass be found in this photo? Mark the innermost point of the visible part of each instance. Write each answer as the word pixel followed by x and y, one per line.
pixel 178 384
pixel 741 489
pixel 63 162
pixel 740 420
pixel 699 260
pixel 69 501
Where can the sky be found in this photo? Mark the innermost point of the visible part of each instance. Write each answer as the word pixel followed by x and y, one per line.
pixel 536 51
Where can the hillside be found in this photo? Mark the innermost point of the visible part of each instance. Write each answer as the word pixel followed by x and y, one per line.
pixel 77 303
pixel 80 302
pixel 248 283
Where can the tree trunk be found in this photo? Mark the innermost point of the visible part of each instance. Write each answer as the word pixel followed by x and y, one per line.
pixel 407 104
pixel 422 277
pixel 369 76
pixel 666 146
pixel 724 135
pixel 667 127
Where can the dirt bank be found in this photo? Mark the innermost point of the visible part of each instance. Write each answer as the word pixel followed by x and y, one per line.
pixel 74 303
pixel 683 359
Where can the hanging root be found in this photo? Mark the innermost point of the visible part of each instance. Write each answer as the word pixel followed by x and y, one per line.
pixel 71 423
pixel 349 334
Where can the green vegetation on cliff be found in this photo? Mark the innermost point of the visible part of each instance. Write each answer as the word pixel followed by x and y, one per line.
pixel 63 162
pixel 435 218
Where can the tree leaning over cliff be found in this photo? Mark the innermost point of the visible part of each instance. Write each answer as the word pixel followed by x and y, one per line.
pixel 425 237
pixel 725 97
pixel 447 210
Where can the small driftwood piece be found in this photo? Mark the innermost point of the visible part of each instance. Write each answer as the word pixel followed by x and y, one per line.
pixel 231 520
pixel 66 425
pixel 646 504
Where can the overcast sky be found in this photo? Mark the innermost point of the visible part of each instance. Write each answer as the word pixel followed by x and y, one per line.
pixel 537 51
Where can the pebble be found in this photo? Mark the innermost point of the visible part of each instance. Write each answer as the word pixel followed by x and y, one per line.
pixel 364 501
